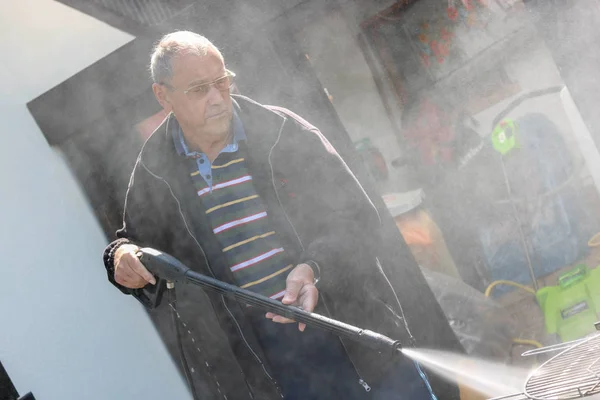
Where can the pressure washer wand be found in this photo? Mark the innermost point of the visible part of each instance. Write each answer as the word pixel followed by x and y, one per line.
pixel 168 268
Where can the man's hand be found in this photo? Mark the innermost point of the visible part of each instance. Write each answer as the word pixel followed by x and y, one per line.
pixel 300 291
pixel 129 271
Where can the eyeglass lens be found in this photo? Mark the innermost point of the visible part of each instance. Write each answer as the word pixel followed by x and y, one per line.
pixel 221 84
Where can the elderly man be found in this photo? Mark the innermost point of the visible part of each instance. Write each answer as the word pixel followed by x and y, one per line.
pixel 256 196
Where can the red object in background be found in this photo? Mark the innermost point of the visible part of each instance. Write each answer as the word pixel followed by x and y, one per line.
pixel 431 134
pixel 446 35
pixel 425 60
pixel 468 4
pixel 149 125
pixel 440 50
pixel 452 13
pixel 435 47
pixel 444 49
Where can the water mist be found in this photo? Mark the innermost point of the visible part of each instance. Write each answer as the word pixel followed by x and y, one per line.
pixel 485 377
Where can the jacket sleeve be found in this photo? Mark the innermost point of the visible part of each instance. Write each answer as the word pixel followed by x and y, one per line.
pixel 344 222
pixel 136 227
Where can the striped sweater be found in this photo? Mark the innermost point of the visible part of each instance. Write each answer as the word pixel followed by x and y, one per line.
pixel 238 218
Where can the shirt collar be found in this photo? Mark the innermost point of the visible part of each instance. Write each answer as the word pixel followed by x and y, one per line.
pixel 182 149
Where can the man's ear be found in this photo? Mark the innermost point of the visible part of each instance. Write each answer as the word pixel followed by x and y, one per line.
pixel 162 95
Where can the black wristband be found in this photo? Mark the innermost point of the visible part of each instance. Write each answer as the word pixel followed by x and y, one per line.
pixel 110 259
pixel 316 270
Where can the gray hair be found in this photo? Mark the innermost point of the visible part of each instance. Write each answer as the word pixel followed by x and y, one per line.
pixel 173 44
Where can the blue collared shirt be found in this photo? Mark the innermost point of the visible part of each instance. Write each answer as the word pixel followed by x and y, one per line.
pixel 202 161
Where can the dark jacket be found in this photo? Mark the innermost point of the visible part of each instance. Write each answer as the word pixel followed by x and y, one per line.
pixel 319 210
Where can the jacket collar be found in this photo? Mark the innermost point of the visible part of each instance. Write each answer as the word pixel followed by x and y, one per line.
pixel 261 125
pixel 182 148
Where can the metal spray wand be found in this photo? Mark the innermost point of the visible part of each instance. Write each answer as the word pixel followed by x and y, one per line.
pixel 169 270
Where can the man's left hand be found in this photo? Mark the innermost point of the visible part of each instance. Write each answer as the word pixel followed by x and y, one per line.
pixel 300 291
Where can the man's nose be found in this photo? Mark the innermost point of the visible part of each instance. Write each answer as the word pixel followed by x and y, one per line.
pixel 214 96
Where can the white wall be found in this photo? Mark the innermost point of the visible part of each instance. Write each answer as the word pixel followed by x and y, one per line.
pixel 65 332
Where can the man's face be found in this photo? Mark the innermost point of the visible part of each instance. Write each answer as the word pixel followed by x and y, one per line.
pixel 206 113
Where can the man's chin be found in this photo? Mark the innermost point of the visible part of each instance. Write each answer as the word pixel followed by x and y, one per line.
pixel 220 128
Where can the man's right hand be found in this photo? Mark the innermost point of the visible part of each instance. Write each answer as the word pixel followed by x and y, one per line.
pixel 129 271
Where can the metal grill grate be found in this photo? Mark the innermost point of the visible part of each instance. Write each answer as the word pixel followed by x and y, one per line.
pixel 572 374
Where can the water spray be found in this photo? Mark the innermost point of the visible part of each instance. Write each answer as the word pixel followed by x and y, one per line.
pixel 170 271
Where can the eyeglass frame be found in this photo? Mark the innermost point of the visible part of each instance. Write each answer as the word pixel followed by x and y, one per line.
pixel 228 74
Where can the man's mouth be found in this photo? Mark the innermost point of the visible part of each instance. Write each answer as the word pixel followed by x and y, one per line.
pixel 217 115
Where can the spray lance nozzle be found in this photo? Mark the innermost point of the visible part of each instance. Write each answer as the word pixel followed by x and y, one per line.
pixel 167 269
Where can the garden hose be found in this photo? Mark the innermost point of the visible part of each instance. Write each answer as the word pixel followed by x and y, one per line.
pixel 488 291
pixel 492 285
pixel 594 241
pixel 528 342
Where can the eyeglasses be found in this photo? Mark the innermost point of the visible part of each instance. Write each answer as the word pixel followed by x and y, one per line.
pixel 198 92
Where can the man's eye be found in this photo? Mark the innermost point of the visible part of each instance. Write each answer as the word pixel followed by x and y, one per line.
pixel 198 89
pixel 222 83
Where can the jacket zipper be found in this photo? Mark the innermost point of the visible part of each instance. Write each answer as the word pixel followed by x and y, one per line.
pixel 271 379
pixel 411 337
pixel 361 381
